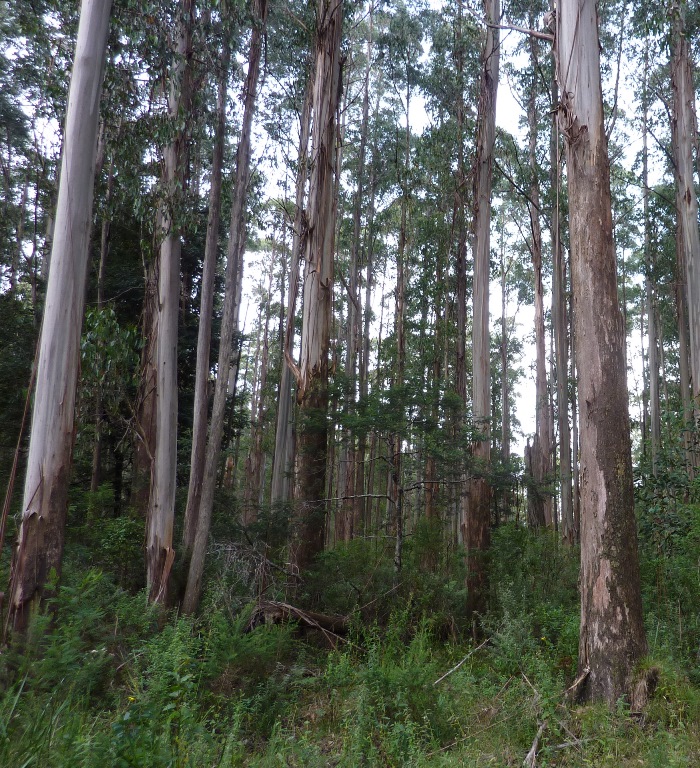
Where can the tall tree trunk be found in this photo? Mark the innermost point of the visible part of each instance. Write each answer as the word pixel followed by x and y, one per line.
pixel 612 638
pixel 395 440
pixel 653 343
pixel 255 460
pixel 160 554
pixel 539 504
pixel 560 321
pixel 505 388
pixel 363 504
pixel 96 475
pixel 309 523
pixel 206 311
pixel 459 218
pixel 236 245
pixel 145 428
pixel 283 466
pixel 476 522
pixel 44 507
pixel 350 455
pixel 683 137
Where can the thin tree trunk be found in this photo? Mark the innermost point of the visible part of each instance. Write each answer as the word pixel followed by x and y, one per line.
pixel 476 523
pixel 612 638
pixel 363 505
pixel 160 554
pixel 96 474
pixel 653 342
pixel 206 311
pixel 39 549
pixel 350 454
pixel 505 390
pixel 236 246
pixel 560 321
pixel 395 490
pixel 539 504
pixel 284 436
pixel 255 463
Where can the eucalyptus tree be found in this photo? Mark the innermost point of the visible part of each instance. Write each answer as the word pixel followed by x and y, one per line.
pixel 201 399
pixel 284 438
pixel 649 284
pixel 476 513
pixel 351 456
pixel 684 142
pixel 612 638
pixel 41 536
pixel 308 532
pixel 560 321
pixel 542 448
pixel 229 320
pixel 160 554
pixel 286 106
pixel 401 43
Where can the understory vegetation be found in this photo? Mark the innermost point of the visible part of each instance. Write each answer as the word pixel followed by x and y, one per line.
pixel 102 679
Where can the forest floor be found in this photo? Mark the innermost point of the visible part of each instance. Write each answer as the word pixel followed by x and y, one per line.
pixel 104 681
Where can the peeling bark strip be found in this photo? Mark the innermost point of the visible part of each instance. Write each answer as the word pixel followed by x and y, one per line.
pixel 40 543
pixel 312 375
pixel 612 636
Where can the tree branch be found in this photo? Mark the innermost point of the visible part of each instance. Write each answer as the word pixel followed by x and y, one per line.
pixel 532 32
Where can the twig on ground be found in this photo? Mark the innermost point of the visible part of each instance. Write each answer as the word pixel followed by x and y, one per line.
pixel 456 667
pixel 530 760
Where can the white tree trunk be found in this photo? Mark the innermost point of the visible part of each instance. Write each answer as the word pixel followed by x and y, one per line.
pixel 41 536
pixel 160 554
pixel 476 521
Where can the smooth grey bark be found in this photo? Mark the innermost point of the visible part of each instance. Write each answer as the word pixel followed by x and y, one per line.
pixel 477 515
pixel 612 638
pixel 236 246
pixel 39 548
pixel 206 311
pixel 160 554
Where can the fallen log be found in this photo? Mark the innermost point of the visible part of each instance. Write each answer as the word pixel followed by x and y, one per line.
pixel 274 612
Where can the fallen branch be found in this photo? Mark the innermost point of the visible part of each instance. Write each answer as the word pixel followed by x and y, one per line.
pixel 530 760
pixel 274 612
pixel 456 667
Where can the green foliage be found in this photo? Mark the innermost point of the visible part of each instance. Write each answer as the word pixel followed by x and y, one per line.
pixel 103 680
